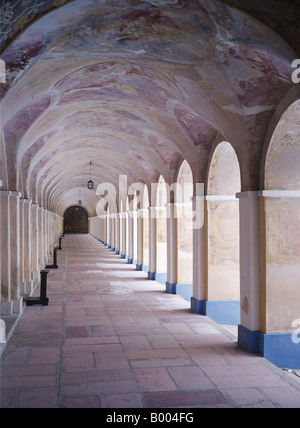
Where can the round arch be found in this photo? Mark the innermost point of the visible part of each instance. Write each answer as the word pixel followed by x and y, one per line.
pixel 185 232
pixel 76 220
pixel 223 235
pixel 224 175
pixel 282 171
pixel 281 224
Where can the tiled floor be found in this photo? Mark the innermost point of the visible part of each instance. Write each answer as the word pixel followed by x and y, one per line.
pixel 111 338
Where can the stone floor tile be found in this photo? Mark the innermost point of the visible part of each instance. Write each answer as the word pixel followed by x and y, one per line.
pixel 135 342
pixel 122 401
pixel 112 338
pixel 92 402
pixel 154 379
pixel 37 398
pixel 211 398
pixel 111 360
pixel 45 355
pixel 78 361
pixel 190 378
pixel 248 397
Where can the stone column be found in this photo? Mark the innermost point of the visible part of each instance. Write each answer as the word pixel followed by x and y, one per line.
pixel 249 270
pixel 15 250
pixel 143 240
pixel 132 237
pixel 45 241
pixel 199 263
pixel 28 285
pixel 22 243
pixel 118 233
pixel 124 219
pixel 41 237
pixel 152 243
pixel 6 306
pixel 172 249
pixel 35 242
pixel 139 240
pixel 108 230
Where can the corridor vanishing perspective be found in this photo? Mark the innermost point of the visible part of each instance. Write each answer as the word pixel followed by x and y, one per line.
pixel 157 141
pixel 110 338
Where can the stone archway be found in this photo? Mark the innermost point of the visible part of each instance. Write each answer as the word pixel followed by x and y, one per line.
pixel 76 220
pixel 223 234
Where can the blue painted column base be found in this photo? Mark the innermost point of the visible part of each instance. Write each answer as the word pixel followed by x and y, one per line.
pixel 281 349
pixel 141 268
pixel 248 340
pixel 183 290
pixel 159 277
pixel 152 276
pixel 222 312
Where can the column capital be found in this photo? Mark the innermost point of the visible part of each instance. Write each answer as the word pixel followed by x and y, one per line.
pixel 10 193
pixel 277 194
pixel 221 198
pixel 5 193
pixel 16 194
pixel 248 194
pixel 25 201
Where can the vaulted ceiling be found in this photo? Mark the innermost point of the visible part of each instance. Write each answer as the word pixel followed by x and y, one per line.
pixel 136 87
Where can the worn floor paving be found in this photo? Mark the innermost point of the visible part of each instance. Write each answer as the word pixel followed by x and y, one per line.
pixel 111 338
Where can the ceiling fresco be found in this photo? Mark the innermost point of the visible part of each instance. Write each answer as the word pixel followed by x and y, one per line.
pixel 136 87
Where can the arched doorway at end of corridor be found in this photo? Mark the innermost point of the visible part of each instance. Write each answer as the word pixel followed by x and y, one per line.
pixel 76 220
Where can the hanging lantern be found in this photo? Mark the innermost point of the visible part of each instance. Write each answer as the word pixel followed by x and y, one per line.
pixel 90 182
pixel 79 201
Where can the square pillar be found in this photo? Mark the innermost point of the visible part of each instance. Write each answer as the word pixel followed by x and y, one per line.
pixel 28 285
pixel 250 255
pixel 152 243
pixel 132 237
pixel 143 240
pixel 5 248
pixel 15 256
pixel 35 242
pixel 124 247
pixel 199 261
pixel 172 249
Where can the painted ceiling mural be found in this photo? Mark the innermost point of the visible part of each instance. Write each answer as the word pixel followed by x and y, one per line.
pixel 135 86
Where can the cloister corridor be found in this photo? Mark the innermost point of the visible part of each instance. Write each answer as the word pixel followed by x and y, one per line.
pixel 149 173
pixel 112 338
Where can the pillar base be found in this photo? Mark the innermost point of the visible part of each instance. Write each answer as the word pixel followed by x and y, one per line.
pixel 282 349
pixel 141 268
pixel 159 277
pixel 27 288
pixel 222 312
pixel 183 290
pixel 152 276
pixel 248 340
